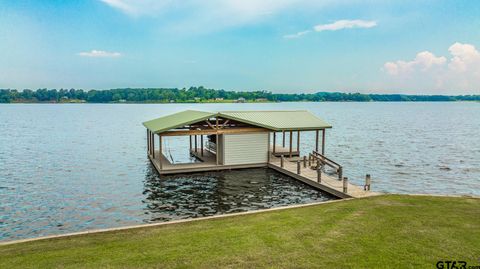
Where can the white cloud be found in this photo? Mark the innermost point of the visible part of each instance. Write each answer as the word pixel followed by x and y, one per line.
pixel 423 61
pixel 194 16
pixel 297 35
pixel 100 53
pixel 465 57
pixel 345 24
pixel 242 8
pixel 335 26
pixel 459 71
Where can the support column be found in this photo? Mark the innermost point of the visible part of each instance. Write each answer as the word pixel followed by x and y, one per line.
pixel 323 142
pixel 160 151
pixel 195 143
pixel 316 140
pixel 153 145
pixel 291 134
pixel 190 138
pixel 216 150
pixel 268 148
pixel 298 143
pixel 283 142
pixel 201 144
pixel 274 141
pixel 148 142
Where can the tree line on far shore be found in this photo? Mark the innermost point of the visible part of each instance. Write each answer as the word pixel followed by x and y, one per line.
pixel 201 94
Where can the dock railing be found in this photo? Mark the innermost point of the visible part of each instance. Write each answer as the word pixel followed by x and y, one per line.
pixel 323 160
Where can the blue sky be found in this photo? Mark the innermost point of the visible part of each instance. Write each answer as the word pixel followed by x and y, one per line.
pixel 425 47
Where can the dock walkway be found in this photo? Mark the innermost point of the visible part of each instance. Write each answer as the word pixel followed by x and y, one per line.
pixel 328 183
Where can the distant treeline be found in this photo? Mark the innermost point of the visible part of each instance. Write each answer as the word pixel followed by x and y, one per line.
pixel 201 94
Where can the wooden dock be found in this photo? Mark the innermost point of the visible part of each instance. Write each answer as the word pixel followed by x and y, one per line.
pixel 207 162
pixel 328 183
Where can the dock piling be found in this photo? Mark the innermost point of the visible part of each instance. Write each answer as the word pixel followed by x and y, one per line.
pixel 304 161
pixel 309 159
pixel 282 161
pixel 298 167
pixel 340 173
pixel 345 184
pixel 367 182
pixel 319 174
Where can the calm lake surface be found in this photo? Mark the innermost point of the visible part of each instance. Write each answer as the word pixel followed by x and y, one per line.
pixel 66 168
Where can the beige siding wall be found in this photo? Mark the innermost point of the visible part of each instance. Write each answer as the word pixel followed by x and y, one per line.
pixel 245 148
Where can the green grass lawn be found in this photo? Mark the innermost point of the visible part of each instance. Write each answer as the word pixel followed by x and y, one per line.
pixel 392 231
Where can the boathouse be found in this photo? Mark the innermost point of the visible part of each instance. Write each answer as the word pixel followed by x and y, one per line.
pixel 233 139
pixel 247 139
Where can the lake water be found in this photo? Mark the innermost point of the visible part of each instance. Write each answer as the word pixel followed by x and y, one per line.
pixel 66 168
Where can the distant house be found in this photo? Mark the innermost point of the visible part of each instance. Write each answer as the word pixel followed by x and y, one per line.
pixel 240 100
pixel 197 99
pixel 218 99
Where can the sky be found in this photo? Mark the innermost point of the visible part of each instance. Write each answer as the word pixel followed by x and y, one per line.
pixel 283 46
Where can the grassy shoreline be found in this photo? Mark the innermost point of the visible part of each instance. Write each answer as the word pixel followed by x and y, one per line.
pixel 391 231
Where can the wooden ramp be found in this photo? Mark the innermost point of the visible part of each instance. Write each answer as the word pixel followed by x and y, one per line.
pixel 328 183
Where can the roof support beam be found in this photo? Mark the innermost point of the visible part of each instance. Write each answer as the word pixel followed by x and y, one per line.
pixel 212 132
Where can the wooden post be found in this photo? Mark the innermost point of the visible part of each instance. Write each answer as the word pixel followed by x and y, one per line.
pixel 298 142
pixel 153 145
pixel 268 148
pixel 316 140
pixel 160 155
pixel 345 184
pixel 304 161
pixel 201 144
pixel 148 142
pixel 216 150
pixel 309 159
pixel 283 141
pixel 340 173
pixel 291 144
pixel 195 143
pixel 319 174
pixel 298 167
pixel 190 138
pixel 274 141
pixel 367 182
pixel 282 160
pixel 323 142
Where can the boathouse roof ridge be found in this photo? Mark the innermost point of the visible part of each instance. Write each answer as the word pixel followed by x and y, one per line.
pixel 175 120
pixel 277 120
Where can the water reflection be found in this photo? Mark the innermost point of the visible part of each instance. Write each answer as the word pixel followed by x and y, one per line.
pixel 211 193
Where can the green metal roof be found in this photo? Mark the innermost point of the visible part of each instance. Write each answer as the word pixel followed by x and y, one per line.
pixel 176 120
pixel 278 120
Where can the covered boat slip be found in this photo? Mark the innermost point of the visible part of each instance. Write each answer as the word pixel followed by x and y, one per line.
pixel 231 139
pixel 247 139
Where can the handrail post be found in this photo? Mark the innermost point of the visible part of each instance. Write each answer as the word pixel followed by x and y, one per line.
pixel 304 161
pixel 367 182
pixel 298 167
pixel 345 184
pixel 340 173
pixel 282 160
pixel 319 174
pixel 309 159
